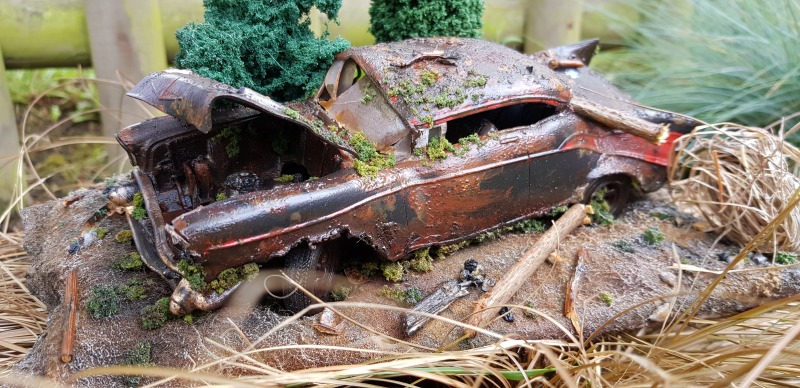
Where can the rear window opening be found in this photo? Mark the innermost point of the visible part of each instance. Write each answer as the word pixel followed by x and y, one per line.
pixel 499 119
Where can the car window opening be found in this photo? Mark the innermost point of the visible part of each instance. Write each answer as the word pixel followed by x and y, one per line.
pixel 500 119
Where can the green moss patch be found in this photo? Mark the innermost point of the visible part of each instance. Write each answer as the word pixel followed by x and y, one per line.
pixel 131 262
pixel 653 235
pixel 409 296
pixel 231 137
pixel 101 232
pixel 607 298
pixel 123 236
pixel 340 293
pixel 103 301
pixel 624 246
pixel 370 161
pixel 194 274
pixel 393 272
pixel 785 258
pixel 139 213
pixel 141 355
pixel 233 276
pixel 156 315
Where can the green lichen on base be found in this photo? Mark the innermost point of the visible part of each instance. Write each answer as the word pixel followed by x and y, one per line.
pixel 231 136
pixel 233 276
pixel 103 301
pixel 607 298
pixel 123 236
pixel 624 246
pixel 439 148
pixel 264 45
pixel 409 296
pixel 421 261
pixel 141 355
pixel 602 210
pixel 286 178
pixel 340 293
pixel 101 232
pixel 194 274
pixel 393 272
pixel 653 235
pixel 131 262
pixel 156 315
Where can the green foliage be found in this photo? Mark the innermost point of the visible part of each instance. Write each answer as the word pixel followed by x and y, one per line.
pixel 369 94
pixel 602 210
pixel 132 291
pixel 230 135
pixel 156 315
pixel 286 178
pixel 369 161
pixel 393 272
pixel 232 276
pixel 394 20
pixel 422 261
pixel 607 298
pixel 558 211
pixel 264 45
pixel 624 246
pixel 531 225
pixel 370 268
pixel 410 296
pixel 719 61
pixel 444 250
pixel 131 262
pixel 428 77
pixel 141 355
pixel 103 301
pixel 653 235
pixel 123 236
pixel 194 274
pixel 340 293
pixel 221 197
pixel 475 80
pixel 101 232
pixel 139 213
pixel 663 216
pixel 785 258
pixel 64 89
pixel 438 147
pixel 528 313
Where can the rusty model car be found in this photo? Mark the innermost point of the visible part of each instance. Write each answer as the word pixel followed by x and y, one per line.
pixel 471 136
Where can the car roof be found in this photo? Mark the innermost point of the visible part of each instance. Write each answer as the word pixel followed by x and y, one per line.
pixel 469 74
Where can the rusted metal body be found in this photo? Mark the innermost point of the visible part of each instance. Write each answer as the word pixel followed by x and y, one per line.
pixel 219 141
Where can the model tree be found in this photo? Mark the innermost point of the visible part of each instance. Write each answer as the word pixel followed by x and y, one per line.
pixel 264 45
pixel 393 20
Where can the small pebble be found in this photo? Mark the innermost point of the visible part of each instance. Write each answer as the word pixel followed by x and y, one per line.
pixel 668 278
pixel 758 258
pixel 73 248
pixel 507 315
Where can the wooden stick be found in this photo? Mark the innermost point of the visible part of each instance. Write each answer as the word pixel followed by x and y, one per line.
pixel 570 294
pixel 71 306
pixel 522 271
pixel 616 119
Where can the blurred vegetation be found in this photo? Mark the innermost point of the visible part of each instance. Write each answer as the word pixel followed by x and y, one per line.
pixel 717 60
pixel 393 20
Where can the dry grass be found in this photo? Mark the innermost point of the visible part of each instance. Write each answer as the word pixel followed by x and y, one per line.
pixel 739 179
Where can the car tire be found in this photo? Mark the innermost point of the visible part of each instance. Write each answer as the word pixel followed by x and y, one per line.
pixel 314 268
pixel 615 189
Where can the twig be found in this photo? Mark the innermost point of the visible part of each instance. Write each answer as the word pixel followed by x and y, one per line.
pixel 70 305
pixel 656 133
pixel 523 269
pixel 569 295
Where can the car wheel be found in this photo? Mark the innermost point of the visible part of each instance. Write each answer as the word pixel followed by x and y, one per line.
pixel 615 190
pixel 314 268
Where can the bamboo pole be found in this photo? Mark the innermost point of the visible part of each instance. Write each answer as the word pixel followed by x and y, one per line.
pixel 71 307
pixel 522 271
pixel 655 133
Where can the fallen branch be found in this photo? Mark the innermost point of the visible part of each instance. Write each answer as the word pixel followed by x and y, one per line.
pixel 523 269
pixel 71 306
pixel 616 119
pixel 572 285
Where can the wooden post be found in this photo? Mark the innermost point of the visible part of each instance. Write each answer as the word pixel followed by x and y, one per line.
pixel 9 145
pixel 551 23
pixel 127 43
pixel 522 271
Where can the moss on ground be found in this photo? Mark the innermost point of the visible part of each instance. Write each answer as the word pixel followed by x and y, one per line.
pixel 653 236
pixel 141 355
pixel 123 236
pixel 139 213
pixel 264 45
pixel 194 274
pixel 103 301
pixel 156 315
pixel 233 276
pixel 409 296
pixel 131 262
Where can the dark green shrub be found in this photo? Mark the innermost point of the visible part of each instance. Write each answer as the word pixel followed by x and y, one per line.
pixel 394 20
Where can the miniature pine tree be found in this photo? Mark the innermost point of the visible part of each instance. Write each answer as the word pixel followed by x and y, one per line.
pixel 264 45
pixel 393 20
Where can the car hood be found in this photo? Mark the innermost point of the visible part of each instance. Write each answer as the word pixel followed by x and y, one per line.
pixel 191 97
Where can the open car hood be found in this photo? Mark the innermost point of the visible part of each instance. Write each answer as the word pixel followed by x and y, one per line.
pixel 191 97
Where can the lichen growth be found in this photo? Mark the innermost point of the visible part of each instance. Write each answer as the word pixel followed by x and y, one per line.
pixel 624 246
pixel 103 301
pixel 530 226
pixel 421 261
pixel 438 148
pixel 221 197
pixel 233 276
pixel 156 315
pixel 141 355
pixel 428 77
pixel 123 236
pixel 602 210
pixel 409 296
pixel 393 272
pixel 286 178
pixel 398 20
pixel 231 136
pixel 607 298
pixel 369 94
pixel 134 290
pixel 101 232
pixel 194 274
pixel 139 213
pixel 475 80
pixel 558 211
pixel 369 161
pixel 340 293
pixel 529 313
pixel 653 235
pixel 264 45
pixel 130 262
